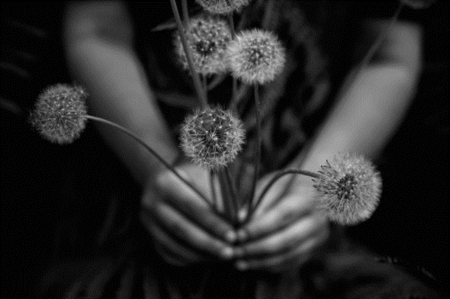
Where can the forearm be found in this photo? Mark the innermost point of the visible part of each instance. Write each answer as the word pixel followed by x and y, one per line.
pixel 371 107
pixel 107 66
pixel 367 116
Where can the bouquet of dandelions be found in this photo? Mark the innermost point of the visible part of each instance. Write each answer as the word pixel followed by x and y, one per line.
pixel 348 186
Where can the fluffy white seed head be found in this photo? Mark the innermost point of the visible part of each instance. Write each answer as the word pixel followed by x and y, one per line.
pixel 256 56
pixel 207 38
pixel 60 113
pixel 212 137
pixel 349 189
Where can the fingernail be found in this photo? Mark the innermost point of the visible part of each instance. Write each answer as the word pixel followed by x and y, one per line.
pixel 227 253
pixel 230 236
pixel 241 265
pixel 241 236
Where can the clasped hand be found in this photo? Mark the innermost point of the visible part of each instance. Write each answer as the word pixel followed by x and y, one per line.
pixel 283 232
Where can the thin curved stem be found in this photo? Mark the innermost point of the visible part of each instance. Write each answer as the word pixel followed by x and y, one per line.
pixel 233 191
pixel 234 80
pixel 205 86
pixel 278 176
pixel 225 188
pixel 257 160
pixel 185 12
pixel 196 78
pixel 152 151
pixel 212 177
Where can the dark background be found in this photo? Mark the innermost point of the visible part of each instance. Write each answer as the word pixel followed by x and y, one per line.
pixel 49 190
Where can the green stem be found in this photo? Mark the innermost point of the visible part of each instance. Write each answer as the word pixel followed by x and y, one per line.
pixel 257 160
pixel 197 84
pixel 147 147
pixel 278 176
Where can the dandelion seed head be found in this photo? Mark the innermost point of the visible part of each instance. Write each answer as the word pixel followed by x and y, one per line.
pixel 349 189
pixel 60 113
pixel 255 56
pixel 207 38
pixel 222 6
pixel 212 137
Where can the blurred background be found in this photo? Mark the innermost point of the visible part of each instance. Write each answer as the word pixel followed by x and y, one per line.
pixel 53 197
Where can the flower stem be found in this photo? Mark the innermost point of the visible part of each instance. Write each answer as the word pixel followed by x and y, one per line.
pixel 230 209
pixel 185 12
pixel 257 160
pixel 205 86
pixel 234 80
pixel 233 192
pixel 212 176
pixel 152 151
pixel 278 176
pixel 197 84
pixel 232 27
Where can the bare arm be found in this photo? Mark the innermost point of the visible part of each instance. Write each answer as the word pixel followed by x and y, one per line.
pixel 370 110
pixel 367 114
pixel 99 38
pixel 101 57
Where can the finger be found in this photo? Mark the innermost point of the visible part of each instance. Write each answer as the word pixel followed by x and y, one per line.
pixel 282 262
pixel 286 239
pixel 273 195
pixel 189 204
pixel 192 235
pixel 171 250
pixel 202 216
pixel 288 211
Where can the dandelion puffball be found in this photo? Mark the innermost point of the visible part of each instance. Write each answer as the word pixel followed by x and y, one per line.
pixel 212 137
pixel 349 189
pixel 255 56
pixel 207 38
pixel 60 113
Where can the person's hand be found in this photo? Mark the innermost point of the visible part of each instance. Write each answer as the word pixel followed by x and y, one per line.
pixel 285 229
pixel 184 227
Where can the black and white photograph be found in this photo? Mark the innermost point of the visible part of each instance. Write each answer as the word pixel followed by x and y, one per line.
pixel 224 149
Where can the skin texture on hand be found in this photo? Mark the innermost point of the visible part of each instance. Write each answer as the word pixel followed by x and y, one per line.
pixel 285 229
pixel 185 228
